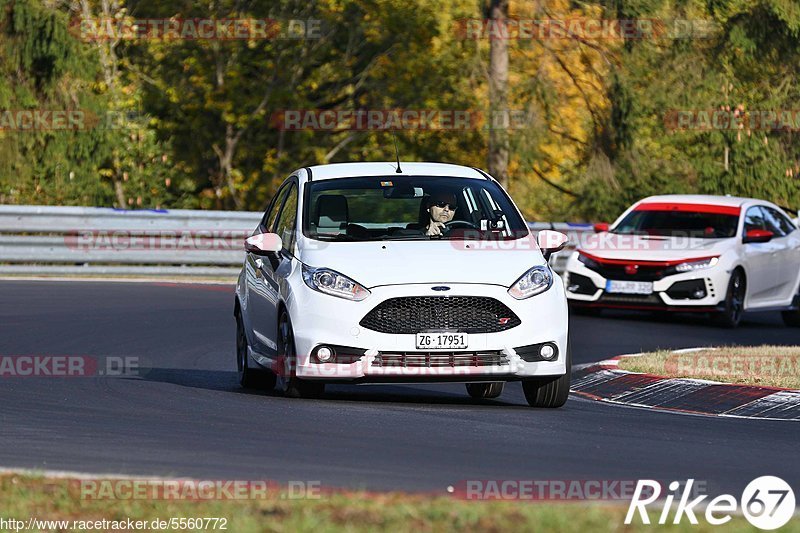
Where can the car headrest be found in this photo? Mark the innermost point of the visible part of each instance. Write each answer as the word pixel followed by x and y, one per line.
pixel 332 212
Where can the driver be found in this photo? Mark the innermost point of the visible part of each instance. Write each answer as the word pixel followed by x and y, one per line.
pixel 441 207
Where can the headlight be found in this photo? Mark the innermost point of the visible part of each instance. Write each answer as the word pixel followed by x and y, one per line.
pixel 331 282
pixel 534 281
pixel 588 261
pixel 697 265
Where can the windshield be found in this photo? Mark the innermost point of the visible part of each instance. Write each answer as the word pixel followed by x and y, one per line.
pixel 680 221
pixel 409 208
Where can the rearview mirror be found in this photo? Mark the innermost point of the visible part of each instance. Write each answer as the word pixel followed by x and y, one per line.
pixel 402 192
pixel 757 235
pixel 263 243
pixel 550 242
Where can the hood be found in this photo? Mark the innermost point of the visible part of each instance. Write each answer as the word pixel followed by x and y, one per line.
pixel 646 248
pixel 397 262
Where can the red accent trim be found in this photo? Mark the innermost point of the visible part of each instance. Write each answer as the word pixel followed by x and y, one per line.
pixel 644 263
pixel 690 208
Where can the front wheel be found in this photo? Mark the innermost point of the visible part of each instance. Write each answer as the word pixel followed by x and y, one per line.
pixel 293 387
pixel 485 391
pixel 249 378
pixel 731 314
pixel 550 392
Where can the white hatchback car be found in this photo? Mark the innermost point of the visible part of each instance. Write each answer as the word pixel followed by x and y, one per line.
pixel 363 273
pixel 716 254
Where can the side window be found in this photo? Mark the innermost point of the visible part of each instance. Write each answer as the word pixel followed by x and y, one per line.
pixel 288 217
pixel 775 218
pixel 268 220
pixel 754 219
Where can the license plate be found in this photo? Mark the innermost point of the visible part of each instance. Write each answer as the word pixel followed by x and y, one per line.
pixel 442 341
pixel 629 287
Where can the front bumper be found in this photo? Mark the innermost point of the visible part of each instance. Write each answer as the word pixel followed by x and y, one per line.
pixel 322 319
pixel 586 288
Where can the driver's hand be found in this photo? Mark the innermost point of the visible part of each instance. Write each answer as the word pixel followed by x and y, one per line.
pixel 435 228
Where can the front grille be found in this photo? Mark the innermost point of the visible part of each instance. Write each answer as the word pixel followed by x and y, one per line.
pixel 467 314
pixel 643 273
pixel 638 299
pixel 438 359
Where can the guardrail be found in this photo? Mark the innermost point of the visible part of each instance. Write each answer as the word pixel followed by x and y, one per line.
pixel 49 240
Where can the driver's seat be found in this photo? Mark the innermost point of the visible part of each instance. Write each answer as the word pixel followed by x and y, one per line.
pixel 422 217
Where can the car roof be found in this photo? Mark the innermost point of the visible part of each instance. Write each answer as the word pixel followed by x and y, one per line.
pixel 707 199
pixel 388 168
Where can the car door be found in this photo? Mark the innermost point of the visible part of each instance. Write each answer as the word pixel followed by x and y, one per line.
pixel 786 254
pixel 273 269
pixel 762 271
pixel 261 294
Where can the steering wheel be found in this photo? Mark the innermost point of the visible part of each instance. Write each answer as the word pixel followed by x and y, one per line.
pixel 460 223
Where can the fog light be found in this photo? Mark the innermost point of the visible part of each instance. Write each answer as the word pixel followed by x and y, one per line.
pixel 699 293
pixel 324 354
pixel 547 352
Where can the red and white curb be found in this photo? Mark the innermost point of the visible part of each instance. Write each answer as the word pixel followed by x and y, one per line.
pixel 604 381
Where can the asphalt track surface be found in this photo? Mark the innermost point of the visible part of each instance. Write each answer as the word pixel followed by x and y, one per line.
pixel 187 417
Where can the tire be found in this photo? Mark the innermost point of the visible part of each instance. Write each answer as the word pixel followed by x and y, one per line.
pixel 549 392
pixel 293 387
pixel 250 378
pixel 485 391
pixel 731 315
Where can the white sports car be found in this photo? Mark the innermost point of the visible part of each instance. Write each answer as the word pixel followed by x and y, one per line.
pixel 423 272
pixel 715 254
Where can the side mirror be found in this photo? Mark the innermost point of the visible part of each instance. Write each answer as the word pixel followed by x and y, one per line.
pixel 757 235
pixel 550 242
pixel 263 243
pixel 600 227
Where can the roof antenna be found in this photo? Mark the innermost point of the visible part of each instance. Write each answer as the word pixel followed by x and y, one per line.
pixel 397 154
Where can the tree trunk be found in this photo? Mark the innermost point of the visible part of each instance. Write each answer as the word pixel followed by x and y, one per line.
pixel 498 93
pixel 119 192
pixel 225 157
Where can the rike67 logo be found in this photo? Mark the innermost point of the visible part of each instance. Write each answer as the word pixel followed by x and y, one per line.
pixel 767 503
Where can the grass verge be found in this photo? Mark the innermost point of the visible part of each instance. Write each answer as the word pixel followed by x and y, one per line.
pixel 769 366
pixel 24 497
